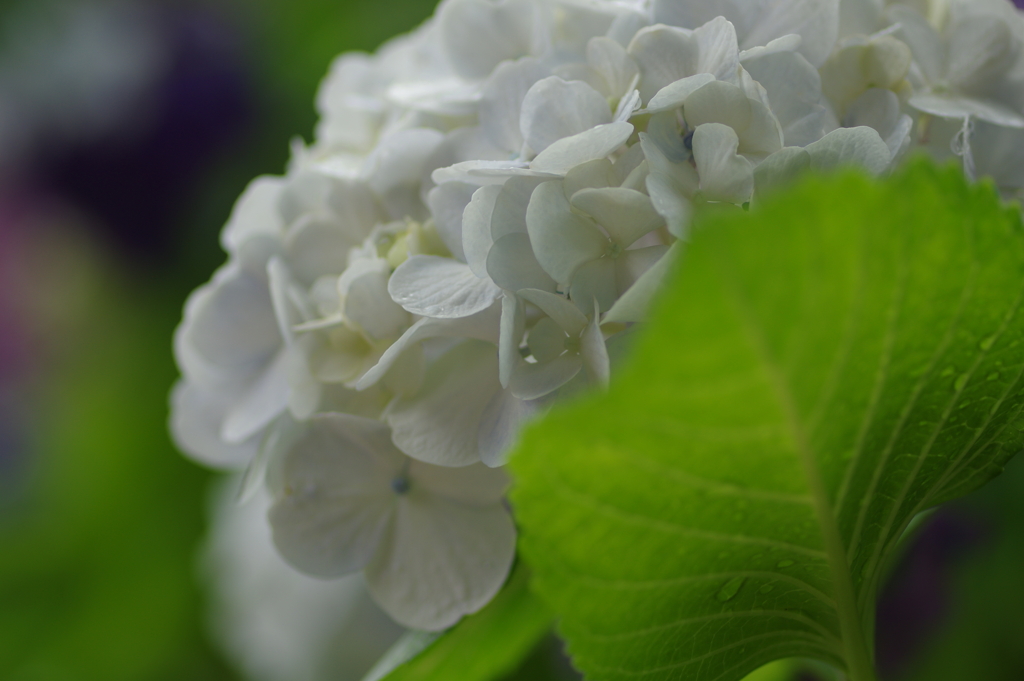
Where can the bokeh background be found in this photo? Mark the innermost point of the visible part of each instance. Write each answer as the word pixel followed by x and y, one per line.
pixel 127 130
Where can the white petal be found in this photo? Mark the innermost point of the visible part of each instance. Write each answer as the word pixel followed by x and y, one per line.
pixel 815 21
pixel 632 264
pixel 461 144
pixel 670 202
pixel 432 286
pixel 304 390
pixel 546 340
pixel 981 48
pixel 628 106
pixel 953 106
pixel 337 500
pixel 396 166
pixel 999 153
pixel 924 41
pixel 876 108
pixel 780 170
pixel 265 399
pixel 502 100
pixel 665 55
pixel 476 228
pixel 594 281
pixel 369 305
pixel 476 485
pixel 694 13
pixel 597 142
pixel 513 326
pixel 554 109
pixel 675 93
pixel 592 174
pixel 850 146
pixel 724 175
pixel 718 102
pixel 565 314
pixel 561 239
pixel 611 60
pixel 626 214
pixel 354 206
pixel 447 203
pixel 636 301
pixel 440 425
pixel 291 304
pixel 718 48
pixel 627 23
pixel 405 376
pixel 666 133
pixel 531 381
pixel 509 215
pixel 196 418
pixel 483 326
pixel 441 560
pixel 764 135
pixel 595 354
pixel 787 43
pixel 512 265
pixel 255 213
pixel 318 246
pixel 794 92
pixel 478 35
pixel 488 172
pixel 677 171
pixel 625 166
pixel 500 426
pixel 229 332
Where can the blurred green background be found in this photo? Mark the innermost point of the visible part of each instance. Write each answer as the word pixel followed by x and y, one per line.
pixel 127 130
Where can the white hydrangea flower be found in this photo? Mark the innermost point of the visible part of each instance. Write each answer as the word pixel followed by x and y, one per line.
pixel 349 500
pixel 489 207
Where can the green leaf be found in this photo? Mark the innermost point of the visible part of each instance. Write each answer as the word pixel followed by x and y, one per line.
pixel 485 646
pixel 819 371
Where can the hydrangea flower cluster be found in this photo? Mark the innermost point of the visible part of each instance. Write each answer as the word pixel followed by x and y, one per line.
pixel 488 207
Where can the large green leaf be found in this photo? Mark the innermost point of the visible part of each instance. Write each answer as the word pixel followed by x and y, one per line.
pixel 820 371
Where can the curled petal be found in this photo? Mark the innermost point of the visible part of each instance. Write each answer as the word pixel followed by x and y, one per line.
pixel 432 286
pixel 566 153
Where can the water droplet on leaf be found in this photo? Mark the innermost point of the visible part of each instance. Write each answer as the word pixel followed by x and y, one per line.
pixel 784 564
pixel 766 588
pixel 730 589
pixel 960 382
pixel 987 344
